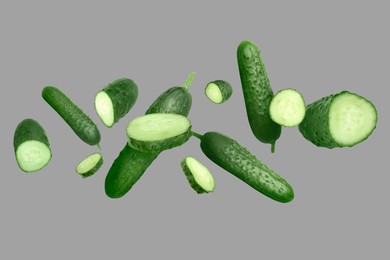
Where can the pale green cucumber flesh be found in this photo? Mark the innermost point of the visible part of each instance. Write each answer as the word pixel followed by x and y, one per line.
pixel 32 155
pixel 158 132
pixel 104 108
pixel 287 108
pixel 198 176
pixel 90 165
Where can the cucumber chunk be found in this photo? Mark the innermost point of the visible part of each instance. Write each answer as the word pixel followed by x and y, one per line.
pixel 340 120
pixel 158 132
pixel 31 145
pixel 198 176
pixel 90 165
pixel 287 108
pixel 218 91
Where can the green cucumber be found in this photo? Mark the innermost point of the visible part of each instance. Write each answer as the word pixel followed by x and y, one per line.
pixel 176 100
pixel 198 176
pixel 31 146
pixel 158 132
pixel 131 164
pixel 126 170
pixel 90 165
pixel 218 91
pixel 80 122
pixel 257 93
pixel 236 159
pixel 287 107
pixel 339 120
pixel 115 100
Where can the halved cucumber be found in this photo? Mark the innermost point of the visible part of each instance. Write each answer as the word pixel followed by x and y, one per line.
pixel 31 145
pixel 115 100
pixel 341 120
pixel 218 91
pixel 158 132
pixel 287 107
pixel 90 165
pixel 198 176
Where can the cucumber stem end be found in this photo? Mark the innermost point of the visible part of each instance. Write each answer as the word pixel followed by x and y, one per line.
pixel 189 80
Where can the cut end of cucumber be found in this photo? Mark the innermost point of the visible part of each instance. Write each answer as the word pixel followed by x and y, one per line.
pixel 33 156
pixel 287 108
pixel 198 175
pixel 213 93
pixel 90 165
pixel 104 108
pixel 352 119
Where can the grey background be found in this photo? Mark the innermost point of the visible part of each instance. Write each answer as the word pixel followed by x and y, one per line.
pixel 341 204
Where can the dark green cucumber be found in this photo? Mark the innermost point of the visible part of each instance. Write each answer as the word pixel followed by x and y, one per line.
pixel 126 170
pixel 115 100
pixel 176 100
pixel 80 122
pixel 90 165
pixel 31 146
pixel 158 132
pixel 257 93
pixel 339 120
pixel 218 91
pixel 236 159
pixel 131 164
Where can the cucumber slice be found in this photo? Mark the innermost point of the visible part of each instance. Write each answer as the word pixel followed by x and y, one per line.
pixel 198 176
pixel 158 132
pixel 115 100
pixel 218 91
pixel 31 145
pixel 340 120
pixel 287 107
pixel 90 165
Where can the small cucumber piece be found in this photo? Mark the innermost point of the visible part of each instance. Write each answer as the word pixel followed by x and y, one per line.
pixel 126 170
pixel 218 91
pixel 257 93
pixel 236 159
pixel 115 100
pixel 339 120
pixel 31 146
pixel 158 132
pixel 90 165
pixel 175 100
pixel 287 107
pixel 198 176
pixel 80 122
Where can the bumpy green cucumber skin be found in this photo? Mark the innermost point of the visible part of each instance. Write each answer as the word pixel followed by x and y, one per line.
pixel 176 100
pixel 257 92
pixel 190 177
pixel 27 130
pixel 236 159
pixel 315 125
pixel 131 164
pixel 159 146
pixel 225 88
pixel 123 94
pixel 93 170
pixel 126 170
pixel 80 122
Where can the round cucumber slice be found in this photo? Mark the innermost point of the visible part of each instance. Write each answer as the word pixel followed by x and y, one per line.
pixel 158 132
pixel 218 91
pixel 33 155
pixel 198 176
pixel 287 108
pixel 90 165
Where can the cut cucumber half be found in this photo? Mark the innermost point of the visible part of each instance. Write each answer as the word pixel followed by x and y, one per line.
pixel 287 108
pixel 340 120
pixel 31 145
pixel 115 100
pixel 218 91
pixel 158 132
pixel 198 176
pixel 90 165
